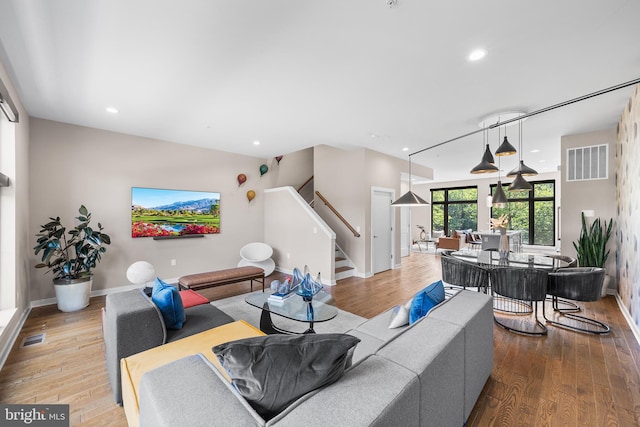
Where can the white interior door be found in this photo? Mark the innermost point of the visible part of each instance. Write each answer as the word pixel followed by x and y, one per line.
pixel 381 228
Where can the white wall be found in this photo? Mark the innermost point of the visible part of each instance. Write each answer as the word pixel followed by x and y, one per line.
pixel 298 235
pixel 73 165
pixel 22 246
pixel 597 195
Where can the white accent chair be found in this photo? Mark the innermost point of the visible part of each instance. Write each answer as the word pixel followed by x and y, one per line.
pixel 257 254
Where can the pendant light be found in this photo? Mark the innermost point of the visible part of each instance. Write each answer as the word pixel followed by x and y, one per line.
pixel 520 184
pixel 499 199
pixel 522 169
pixel 487 164
pixel 505 149
pixel 410 199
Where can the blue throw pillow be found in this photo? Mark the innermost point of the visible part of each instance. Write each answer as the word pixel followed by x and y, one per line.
pixel 425 300
pixel 168 300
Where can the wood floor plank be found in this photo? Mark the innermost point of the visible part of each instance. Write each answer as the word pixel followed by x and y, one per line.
pixel 562 379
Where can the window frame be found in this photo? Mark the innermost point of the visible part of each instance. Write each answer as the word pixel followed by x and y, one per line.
pixel 446 202
pixel 531 199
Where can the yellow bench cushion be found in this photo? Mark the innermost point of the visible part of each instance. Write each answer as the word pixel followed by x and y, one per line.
pixel 133 367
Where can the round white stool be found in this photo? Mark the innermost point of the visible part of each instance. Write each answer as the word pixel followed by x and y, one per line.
pixel 258 254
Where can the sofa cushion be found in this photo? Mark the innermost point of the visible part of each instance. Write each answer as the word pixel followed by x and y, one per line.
pixel 197 319
pixel 192 298
pixel 273 371
pixel 425 300
pixel 167 299
pixel 400 315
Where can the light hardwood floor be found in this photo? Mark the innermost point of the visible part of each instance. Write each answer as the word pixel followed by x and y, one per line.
pixel 565 378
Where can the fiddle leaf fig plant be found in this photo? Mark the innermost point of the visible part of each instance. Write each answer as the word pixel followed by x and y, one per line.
pixel 592 243
pixel 71 255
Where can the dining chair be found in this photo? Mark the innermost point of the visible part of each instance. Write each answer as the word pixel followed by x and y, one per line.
pixel 562 304
pixel 525 286
pixel 464 274
pixel 577 284
pixel 571 262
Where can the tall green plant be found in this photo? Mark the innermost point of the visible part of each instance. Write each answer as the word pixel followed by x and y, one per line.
pixel 592 244
pixel 74 256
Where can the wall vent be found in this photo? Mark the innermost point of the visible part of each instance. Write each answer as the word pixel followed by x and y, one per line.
pixel 33 340
pixel 588 163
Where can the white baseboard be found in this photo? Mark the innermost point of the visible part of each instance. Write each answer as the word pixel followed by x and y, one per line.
pixel 363 275
pixel 628 318
pixel 4 354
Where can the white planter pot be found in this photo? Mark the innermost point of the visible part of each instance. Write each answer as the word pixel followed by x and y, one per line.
pixel 72 295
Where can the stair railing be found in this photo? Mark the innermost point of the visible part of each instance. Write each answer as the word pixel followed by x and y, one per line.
pixel 305 184
pixel 336 213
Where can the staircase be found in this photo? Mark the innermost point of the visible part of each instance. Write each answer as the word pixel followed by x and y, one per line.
pixel 343 268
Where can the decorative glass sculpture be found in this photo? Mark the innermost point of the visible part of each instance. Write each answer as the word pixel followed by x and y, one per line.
pixel 306 287
pixel 284 287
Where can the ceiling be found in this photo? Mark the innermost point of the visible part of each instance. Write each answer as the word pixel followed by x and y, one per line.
pixel 294 74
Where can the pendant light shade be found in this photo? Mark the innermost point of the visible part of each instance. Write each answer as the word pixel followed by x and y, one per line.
pixel 523 170
pixel 519 184
pixel 499 198
pixel 505 149
pixel 487 156
pixel 410 199
pixel 484 167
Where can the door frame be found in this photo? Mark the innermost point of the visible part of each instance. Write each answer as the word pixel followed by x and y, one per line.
pixel 392 196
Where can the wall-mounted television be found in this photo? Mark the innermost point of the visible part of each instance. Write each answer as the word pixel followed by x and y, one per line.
pixel 167 213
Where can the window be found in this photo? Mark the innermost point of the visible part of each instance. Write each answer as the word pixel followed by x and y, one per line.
pixel 459 206
pixel 533 212
pixel 7 218
pixel 587 163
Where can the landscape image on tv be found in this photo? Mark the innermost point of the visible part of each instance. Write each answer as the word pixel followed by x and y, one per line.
pixel 158 212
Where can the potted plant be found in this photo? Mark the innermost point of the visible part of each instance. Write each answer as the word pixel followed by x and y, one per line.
pixel 71 256
pixel 592 246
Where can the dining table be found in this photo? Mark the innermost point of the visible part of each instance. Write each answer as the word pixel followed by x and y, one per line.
pixel 492 259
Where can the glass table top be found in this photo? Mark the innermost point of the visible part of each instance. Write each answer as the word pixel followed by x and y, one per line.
pixel 515 259
pixel 295 308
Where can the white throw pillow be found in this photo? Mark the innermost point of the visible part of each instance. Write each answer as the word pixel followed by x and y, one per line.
pixel 400 315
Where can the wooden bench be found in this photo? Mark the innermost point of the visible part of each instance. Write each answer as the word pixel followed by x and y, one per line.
pixel 222 277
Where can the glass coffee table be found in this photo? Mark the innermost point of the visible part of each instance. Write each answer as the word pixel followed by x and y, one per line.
pixel 319 309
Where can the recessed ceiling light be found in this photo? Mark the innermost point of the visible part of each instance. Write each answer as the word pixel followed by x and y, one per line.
pixel 477 55
pixel 256 142
pixel 535 151
pixel 112 110
pixel 405 149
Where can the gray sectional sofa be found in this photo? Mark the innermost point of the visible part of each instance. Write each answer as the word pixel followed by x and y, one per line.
pixel 427 374
pixel 132 324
